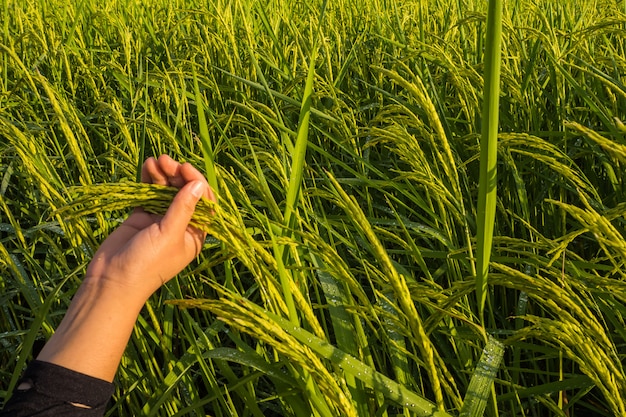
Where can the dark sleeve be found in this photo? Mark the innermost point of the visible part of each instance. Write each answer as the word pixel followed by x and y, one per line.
pixel 54 389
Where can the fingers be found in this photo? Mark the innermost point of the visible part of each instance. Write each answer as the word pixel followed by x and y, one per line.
pixel 177 218
pixel 193 186
pixel 172 171
pixel 181 210
pixel 162 171
pixel 189 173
pixel 152 173
pixel 167 171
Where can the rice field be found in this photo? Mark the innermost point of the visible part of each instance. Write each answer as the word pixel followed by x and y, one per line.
pixel 351 266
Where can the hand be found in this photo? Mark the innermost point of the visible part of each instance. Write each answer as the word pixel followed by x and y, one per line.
pixel 142 254
pixel 147 250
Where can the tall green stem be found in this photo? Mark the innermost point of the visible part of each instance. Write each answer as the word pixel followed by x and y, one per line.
pixel 488 150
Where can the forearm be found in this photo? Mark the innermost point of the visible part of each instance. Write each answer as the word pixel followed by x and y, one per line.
pixel 93 335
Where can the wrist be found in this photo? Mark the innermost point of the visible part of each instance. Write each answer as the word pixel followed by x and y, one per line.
pixel 103 287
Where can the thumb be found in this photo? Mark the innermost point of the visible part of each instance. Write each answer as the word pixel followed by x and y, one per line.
pixel 178 215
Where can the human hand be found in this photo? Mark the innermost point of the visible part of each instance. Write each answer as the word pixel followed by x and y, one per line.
pixel 147 250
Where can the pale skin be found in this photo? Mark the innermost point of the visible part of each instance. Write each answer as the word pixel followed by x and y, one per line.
pixel 141 255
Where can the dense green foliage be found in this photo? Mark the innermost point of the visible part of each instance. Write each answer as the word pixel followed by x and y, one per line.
pixel 343 143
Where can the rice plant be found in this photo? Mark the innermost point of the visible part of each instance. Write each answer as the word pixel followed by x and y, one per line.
pixel 343 139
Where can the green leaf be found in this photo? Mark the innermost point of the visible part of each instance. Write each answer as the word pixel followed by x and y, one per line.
pixel 482 380
pixel 488 151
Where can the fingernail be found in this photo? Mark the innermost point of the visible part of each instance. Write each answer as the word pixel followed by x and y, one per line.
pixel 197 189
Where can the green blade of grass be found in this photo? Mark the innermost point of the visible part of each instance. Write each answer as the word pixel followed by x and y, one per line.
pixel 207 148
pixel 577 383
pixel 295 180
pixel 345 333
pixel 481 383
pixel 488 151
pixel 299 152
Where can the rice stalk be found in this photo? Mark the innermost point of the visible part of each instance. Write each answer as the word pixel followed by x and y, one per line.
pixel 580 347
pixel 488 151
pixel 612 147
pixel 68 127
pixel 401 291
pixel 205 140
pixel 290 340
pixel 246 318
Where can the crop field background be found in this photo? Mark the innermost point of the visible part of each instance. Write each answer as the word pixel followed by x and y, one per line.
pixel 343 141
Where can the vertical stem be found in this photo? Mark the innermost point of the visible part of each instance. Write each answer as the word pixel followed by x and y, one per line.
pixel 488 150
pixel 5 41
pixel 297 168
pixel 205 140
pixel 142 141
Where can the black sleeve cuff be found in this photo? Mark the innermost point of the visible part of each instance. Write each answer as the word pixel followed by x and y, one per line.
pixel 54 389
